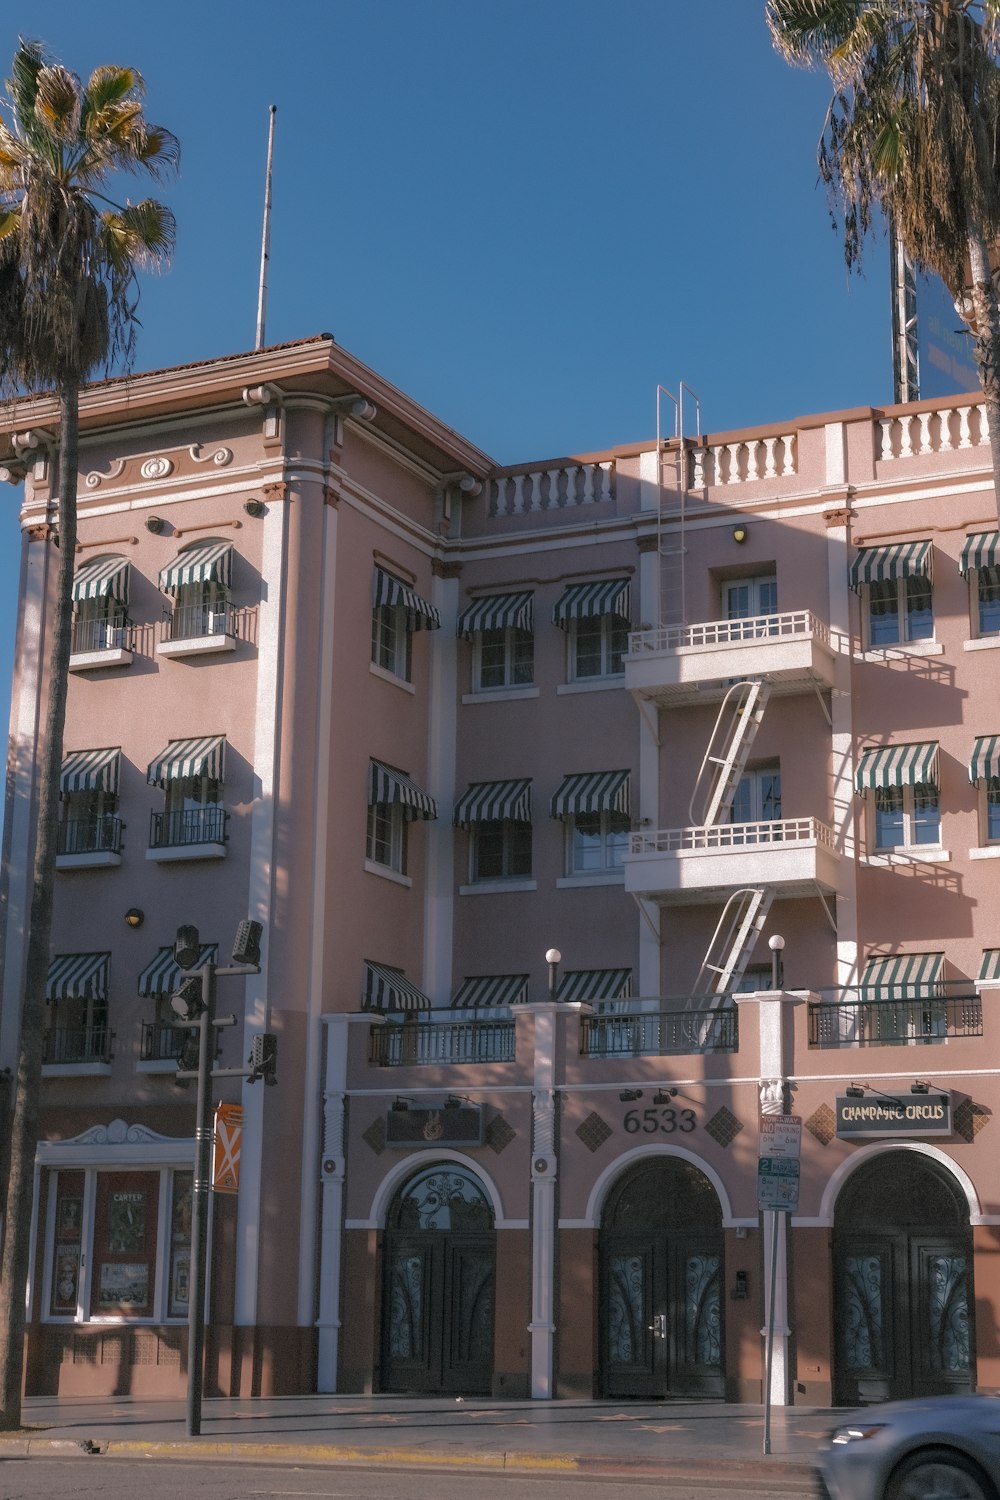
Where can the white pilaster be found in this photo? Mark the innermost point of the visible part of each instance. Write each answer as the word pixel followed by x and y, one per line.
pixel 648 801
pixel 333 1170
pixel 544 1163
pixel 442 731
pixel 845 802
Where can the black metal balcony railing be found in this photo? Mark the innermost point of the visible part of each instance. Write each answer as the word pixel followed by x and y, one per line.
pixel 192 825
pixel 97 835
pixel 78 1044
pixel 191 621
pixel 162 1041
pixel 116 634
pixel 856 1022
pixel 416 1043
pixel 660 1033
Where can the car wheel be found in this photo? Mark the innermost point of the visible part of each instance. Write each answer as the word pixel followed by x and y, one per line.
pixel 938 1474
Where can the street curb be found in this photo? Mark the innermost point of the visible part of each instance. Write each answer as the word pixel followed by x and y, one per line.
pixel 508 1460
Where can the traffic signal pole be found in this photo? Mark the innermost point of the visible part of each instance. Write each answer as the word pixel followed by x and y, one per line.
pixel 200 1201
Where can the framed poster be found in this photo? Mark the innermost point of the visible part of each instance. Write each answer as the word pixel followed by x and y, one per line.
pixel 124 1284
pixel 65 1278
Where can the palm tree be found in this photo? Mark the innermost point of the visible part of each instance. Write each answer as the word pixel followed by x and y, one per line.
pixel 914 129
pixel 69 257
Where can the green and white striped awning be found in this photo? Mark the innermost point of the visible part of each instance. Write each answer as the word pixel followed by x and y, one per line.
pixel 389 989
pixel 102 578
pixel 90 771
pixel 980 551
pixel 592 792
pixel 584 601
pixel 494 802
pixel 210 561
pixel 902 976
pixel 387 786
pixel 489 991
pixel 78 976
pixel 985 760
pixel 989 969
pixel 594 984
pixel 897 765
pixel 164 975
pixel 497 612
pixel 387 589
pixel 885 564
pixel 183 758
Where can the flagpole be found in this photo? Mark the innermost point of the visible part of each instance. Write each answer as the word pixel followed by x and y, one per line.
pixel 265 248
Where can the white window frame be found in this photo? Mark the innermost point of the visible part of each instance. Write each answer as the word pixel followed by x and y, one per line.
pixel 751 787
pixel 509 834
pixel 513 636
pixel 988 783
pixel 975 606
pixel 609 625
pixel 392 640
pixel 902 614
pixel 391 838
pixel 756 584
pixel 908 812
pixel 213 599
pixel 612 840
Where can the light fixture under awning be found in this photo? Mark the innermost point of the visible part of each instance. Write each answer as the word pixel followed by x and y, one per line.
pixel 885 766
pixel 497 612
pixel 886 564
pixel 585 601
pixel 389 989
pixel 594 984
pixel 494 802
pixel 387 786
pixel 490 991
pixel 164 975
pixel 78 976
pixel 102 578
pixel 902 976
pixel 980 551
pixel 205 756
pixel 210 561
pixel 389 590
pixel 985 761
pixel 592 792
pixel 90 771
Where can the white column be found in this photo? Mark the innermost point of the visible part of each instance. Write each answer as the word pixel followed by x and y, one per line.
pixel 332 1167
pixel 845 802
pixel 439 881
pixel 543 1205
pixel 648 800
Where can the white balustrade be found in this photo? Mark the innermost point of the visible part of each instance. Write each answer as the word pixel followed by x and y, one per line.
pixel 555 488
pixel 733 836
pixel 937 431
pixel 739 463
pixel 796 623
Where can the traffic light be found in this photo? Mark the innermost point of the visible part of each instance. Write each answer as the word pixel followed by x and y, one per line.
pixel 187 947
pixel 263 1057
pixel 246 944
pixel 187 1060
pixel 188 1003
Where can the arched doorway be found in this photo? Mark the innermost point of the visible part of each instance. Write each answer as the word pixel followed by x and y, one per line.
pixel 439 1285
pixel 661 1283
pixel 902 1263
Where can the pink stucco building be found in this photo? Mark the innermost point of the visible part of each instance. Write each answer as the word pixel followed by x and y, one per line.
pixel 427 719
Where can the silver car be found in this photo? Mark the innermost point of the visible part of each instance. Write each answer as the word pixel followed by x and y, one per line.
pixel 938 1448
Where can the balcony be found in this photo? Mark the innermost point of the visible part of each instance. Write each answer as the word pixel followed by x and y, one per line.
pixel 854 1021
pixel 685 865
pixel 665 1033
pixel 197 630
pixel 427 1043
pixel 77 1049
pixel 684 664
pixel 87 843
pixel 191 833
pixel 101 643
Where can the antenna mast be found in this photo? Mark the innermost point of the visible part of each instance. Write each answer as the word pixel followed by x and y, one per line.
pixel 265 248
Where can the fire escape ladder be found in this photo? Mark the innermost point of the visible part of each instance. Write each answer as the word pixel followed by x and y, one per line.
pixel 733 941
pixel 736 725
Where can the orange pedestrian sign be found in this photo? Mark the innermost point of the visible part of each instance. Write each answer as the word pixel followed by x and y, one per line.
pixel 228 1138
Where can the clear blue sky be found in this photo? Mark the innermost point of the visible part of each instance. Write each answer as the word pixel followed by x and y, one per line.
pixel 526 213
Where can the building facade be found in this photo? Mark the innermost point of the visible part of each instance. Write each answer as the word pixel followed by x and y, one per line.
pixel 528 773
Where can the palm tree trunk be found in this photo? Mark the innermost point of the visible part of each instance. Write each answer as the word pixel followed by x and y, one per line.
pixel 985 327
pixel 24 1128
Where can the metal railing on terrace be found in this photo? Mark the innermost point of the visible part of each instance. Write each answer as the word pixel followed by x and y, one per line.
pixel 97 835
pixel 102 635
pixel 192 621
pixel 419 1043
pixel 733 836
pixel 854 1018
pixel 162 1041
pixel 799 623
pixel 78 1044
pixel 191 825
pixel 662 1033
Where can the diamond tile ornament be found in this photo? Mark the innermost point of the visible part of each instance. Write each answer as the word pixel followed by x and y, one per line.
pixel 594 1131
pixel 822 1123
pixel 969 1119
pixel 499 1134
pixel 374 1136
pixel 723 1127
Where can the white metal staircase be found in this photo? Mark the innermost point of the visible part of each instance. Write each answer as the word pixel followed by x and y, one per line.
pixel 739 717
pixel 733 941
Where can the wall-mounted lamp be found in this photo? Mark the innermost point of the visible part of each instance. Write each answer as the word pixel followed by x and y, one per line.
pixel 854 1091
pixel 155 524
pixel 553 958
pixel 920 1086
pixel 739 535
pixel 254 508
pixel 134 917
pixel 455 1101
pixel 776 943
pixel 629 1096
pixel 400 1104
pixel 664 1096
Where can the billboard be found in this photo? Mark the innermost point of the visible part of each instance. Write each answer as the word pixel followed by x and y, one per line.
pixel 932 348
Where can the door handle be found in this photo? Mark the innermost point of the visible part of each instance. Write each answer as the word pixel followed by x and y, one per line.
pixel 658 1327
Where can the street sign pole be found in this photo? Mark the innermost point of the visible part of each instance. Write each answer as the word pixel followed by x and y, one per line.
pixel 769 1342
pixel 777 1192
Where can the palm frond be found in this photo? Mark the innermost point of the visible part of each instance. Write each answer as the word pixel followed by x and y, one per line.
pixel 58 103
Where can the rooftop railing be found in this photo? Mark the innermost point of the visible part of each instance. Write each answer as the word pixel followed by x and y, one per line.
pixel 854 1019
pixel 425 1043
pixel 663 1033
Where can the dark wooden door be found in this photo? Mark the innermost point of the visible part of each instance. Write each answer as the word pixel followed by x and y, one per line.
pixel 661 1316
pixel 439 1314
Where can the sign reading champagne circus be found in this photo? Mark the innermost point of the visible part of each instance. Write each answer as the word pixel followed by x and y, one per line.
pixel 886 1114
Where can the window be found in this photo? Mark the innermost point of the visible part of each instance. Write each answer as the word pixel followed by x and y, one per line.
pixel 896 584
pixel 987 582
pixel 500 627
pixel 192 775
pixel 749 598
pixel 596 842
pixel 991 798
pixel 100 598
pixel 386 842
pixel 104 1254
pixel 200 580
pixel 89 829
pixel 393 802
pixel 595 617
pixel 76 992
pixel 501 850
pixel 758 797
pixel 397 611
pixel 981 564
pixel 907 816
pixel 984 772
pixel 162 1041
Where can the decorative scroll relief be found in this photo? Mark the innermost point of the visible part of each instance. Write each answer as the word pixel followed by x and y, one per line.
pixel 96 478
pixel 119 1133
pixel 544 1120
pixel 772 1097
pixel 157 468
pixel 219 458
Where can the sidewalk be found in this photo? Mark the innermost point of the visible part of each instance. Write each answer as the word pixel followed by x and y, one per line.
pixel 598 1437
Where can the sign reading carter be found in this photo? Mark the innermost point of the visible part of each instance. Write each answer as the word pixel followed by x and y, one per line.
pixel 905 1114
